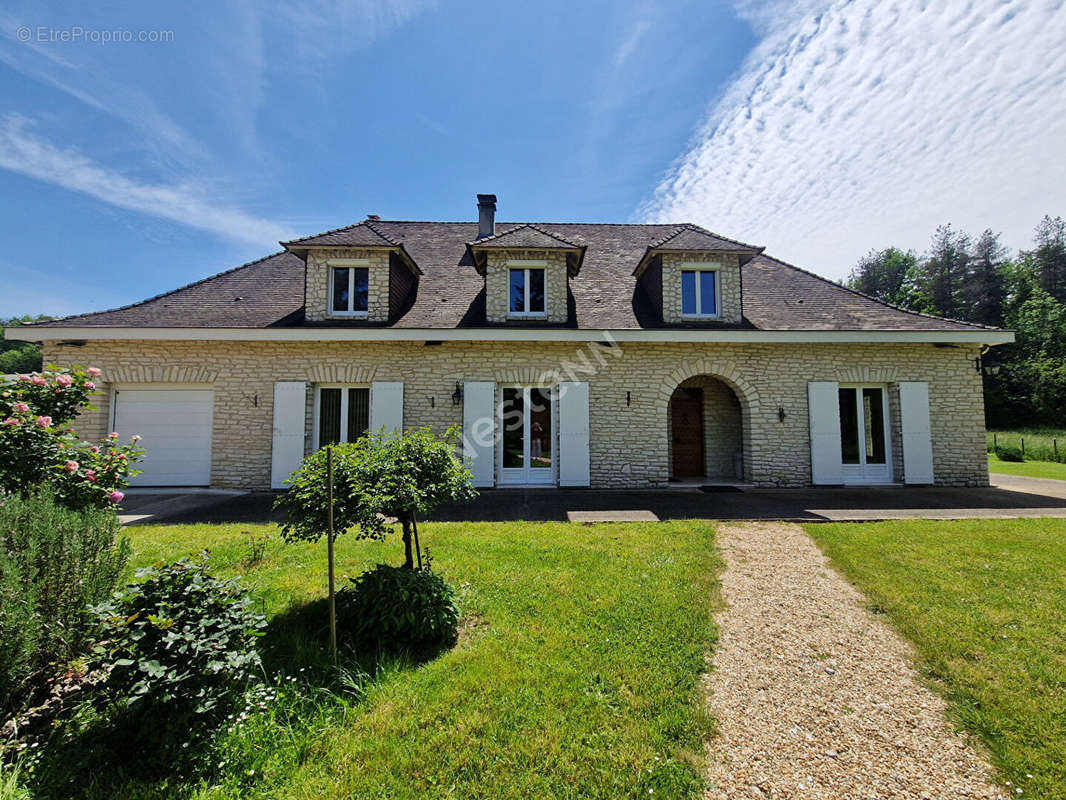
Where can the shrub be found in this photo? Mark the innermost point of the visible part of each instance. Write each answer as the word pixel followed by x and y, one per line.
pixel 54 562
pixel 177 645
pixel 397 608
pixel 1009 453
pixel 376 477
pixel 35 447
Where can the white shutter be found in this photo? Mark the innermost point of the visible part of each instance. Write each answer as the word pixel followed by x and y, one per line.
pixel 386 406
pixel 573 433
pixel 479 429
pixel 287 450
pixel 916 435
pixel 823 405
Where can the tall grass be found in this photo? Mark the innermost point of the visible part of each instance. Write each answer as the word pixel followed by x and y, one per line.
pixel 1040 444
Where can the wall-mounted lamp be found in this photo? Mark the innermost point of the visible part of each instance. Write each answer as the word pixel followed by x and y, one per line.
pixel 432 402
pixel 986 365
pixel 629 398
pixel 457 395
pixel 781 414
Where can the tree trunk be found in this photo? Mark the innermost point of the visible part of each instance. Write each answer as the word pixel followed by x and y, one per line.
pixel 409 555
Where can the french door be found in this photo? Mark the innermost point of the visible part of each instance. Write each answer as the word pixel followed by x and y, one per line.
pixel 865 449
pixel 527 426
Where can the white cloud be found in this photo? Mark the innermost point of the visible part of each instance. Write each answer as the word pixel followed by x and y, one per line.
pixel 863 123
pixel 24 152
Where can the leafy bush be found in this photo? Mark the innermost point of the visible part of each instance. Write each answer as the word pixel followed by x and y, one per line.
pixel 54 562
pixel 178 644
pixel 1009 453
pixel 35 447
pixel 378 476
pixel 397 608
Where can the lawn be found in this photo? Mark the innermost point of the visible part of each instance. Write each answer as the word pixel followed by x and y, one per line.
pixel 576 674
pixel 1041 444
pixel 984 603
pixel 1030 469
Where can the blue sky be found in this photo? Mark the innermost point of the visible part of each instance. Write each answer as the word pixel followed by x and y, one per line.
pixel 820 128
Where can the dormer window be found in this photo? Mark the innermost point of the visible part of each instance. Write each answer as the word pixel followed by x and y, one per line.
pixel 699 291
pixel 528 285
pixel 349 287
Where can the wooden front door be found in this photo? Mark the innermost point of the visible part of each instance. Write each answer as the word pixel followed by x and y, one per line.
pixel 686 432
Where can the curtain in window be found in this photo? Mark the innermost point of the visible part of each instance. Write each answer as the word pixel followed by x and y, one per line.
pixel 329 416
pixel 358 413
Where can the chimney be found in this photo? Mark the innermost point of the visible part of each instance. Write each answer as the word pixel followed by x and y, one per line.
pixel 486 215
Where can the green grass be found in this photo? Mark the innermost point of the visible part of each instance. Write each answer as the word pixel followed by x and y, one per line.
pixel 1041 444
pixel 1030 469
pixel 984 603
pixel 576 674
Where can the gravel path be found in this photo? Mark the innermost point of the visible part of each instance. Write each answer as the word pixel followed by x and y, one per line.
pixel 814 695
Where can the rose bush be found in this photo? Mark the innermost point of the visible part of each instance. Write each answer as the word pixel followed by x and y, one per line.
pixel 36 448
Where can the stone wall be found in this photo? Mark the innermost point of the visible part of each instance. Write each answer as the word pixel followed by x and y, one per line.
pixel 497 283
pixel 729 294
pixel 628 442
pixel 317 282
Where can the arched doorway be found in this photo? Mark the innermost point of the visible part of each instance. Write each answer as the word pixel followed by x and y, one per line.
pixel 706 432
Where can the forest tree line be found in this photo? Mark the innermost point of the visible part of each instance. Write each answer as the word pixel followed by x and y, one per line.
pixel 979 279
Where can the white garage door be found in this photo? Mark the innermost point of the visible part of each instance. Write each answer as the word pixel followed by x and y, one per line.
pixel 175 429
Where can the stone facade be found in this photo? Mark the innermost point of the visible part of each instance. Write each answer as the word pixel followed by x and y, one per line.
pixel 629 441
pixel 317 281
pixel 729 295
pixel 497 283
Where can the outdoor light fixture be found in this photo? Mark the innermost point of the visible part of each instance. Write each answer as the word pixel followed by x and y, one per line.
pixel 432 402
pixel 629 398
pixel 780 414
pixel 457 395
pixel 988 365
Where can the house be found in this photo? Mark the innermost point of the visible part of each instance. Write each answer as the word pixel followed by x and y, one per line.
pixel 602 355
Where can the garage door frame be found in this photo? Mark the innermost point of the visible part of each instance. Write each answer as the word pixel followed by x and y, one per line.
pixel 112 409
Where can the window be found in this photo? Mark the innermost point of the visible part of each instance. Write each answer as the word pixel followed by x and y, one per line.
pixel 342 414
pixel 527 292
pixel 699 292
pixel 349 290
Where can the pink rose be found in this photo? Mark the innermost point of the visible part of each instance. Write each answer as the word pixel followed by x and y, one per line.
pixel 112 435
pixel 95 449
pixel 64 380
pixel 135 438
pixel 121 456
pixel 93 371
pixel 21 408
pixel 90 385
pixel 24 378
pixel 71 466
pixel 44 422
pixel 11 421
pixel 116 496
pixel 38 380
pixel 90 475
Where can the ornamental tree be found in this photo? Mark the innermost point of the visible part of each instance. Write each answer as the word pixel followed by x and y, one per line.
pixel 37 447
pixel 378 477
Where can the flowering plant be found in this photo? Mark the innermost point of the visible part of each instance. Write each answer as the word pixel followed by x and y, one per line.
pixel 36 448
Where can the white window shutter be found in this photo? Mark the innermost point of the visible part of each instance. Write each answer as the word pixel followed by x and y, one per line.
pixel 386 406
pixel 823 405
pixel 915 432
pixel 573 433
pixel 479 430
pixel 287 449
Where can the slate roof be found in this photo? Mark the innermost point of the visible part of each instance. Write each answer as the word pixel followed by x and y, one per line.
pixel 450 293
pixel 526 236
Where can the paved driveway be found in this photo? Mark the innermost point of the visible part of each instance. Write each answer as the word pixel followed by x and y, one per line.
pixel 1009 496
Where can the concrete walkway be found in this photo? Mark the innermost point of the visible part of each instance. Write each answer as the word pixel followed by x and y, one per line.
pixel 814 696
pixel 1009 497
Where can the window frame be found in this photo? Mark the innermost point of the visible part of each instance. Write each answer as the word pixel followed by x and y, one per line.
pixel 317 405
pixel 527 265
pixel 350 264
pixel 698 267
